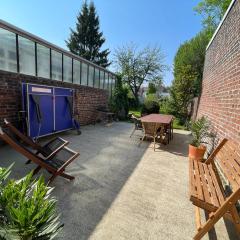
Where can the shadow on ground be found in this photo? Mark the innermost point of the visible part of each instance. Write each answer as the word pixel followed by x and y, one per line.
pixel 108 157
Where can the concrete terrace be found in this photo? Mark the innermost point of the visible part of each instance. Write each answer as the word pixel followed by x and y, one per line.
pixel 123 191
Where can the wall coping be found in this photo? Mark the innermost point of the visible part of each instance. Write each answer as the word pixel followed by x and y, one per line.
pixel 221 23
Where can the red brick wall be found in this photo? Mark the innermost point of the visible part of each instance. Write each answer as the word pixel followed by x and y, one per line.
pixel 87 99
pixel 220 99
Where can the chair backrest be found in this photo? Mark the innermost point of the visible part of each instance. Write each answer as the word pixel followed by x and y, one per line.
pixel 137 122
pixel 228 159
pixel 23 137
pixel 149 128
pixel 24 151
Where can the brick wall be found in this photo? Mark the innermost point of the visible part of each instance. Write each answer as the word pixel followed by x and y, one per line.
pixel 220 99
pixel 87 99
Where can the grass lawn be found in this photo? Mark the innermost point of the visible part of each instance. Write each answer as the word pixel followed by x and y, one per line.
pixel 176 124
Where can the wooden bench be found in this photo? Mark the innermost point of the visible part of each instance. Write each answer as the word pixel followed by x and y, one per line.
pixel 207 190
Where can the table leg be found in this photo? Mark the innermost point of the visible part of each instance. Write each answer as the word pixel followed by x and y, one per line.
pixel 169 132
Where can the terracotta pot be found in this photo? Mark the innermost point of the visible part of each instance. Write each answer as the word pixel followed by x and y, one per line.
pixel 196 153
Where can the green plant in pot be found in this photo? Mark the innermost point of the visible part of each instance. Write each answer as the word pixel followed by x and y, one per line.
pixel 27 210
pixel 200 132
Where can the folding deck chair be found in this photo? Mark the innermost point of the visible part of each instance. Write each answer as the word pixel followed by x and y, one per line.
pixel 53 163
pixel 47 150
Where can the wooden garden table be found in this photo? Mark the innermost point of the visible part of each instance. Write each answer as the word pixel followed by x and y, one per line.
pixel 163 119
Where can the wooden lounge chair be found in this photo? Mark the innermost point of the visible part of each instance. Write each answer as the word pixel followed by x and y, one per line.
pixel 55 164
pixel 137 124
pixel 207 190
pixel 152 130
pixel 47 150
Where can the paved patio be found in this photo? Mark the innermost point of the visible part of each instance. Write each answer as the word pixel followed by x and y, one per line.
pixel 121 190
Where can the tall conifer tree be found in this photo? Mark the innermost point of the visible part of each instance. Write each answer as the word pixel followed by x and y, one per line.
pixel 87 40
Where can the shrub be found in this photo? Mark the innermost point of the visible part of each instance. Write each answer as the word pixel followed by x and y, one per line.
pixel 200 131
pixel 150 105
pixel 27 210
pixel 119 101
pixel 165 105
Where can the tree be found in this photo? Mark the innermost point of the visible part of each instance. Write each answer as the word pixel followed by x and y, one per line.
pixel 182 91
pixel 138 66
pixel 151 88
pixel 87 40
pixel 192 53
pixel 212 12
pixel 119 101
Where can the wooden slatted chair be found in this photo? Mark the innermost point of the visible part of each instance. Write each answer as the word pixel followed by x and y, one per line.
pixel 55 164
pixel 152 130
pixel 207 190
pixel 47 150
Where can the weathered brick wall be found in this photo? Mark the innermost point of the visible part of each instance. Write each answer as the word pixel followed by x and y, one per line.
pixel 220 99
pixel 87 99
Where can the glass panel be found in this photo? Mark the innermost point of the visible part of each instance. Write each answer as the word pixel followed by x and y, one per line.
pixel 26 56
pixel 56 65
pixel 67 69
pixel 96 78
pixel 43 61
pixel 84 74
pixel 8 55
pixel 101 79
pixel 106 81
pixel 76 71
pixel 110 85
pixel 113 83
pixel 91 75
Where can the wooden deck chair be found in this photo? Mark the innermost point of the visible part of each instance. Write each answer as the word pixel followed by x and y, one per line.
pixel 207 191
pixel 55 164
pixel 137 124
pixel 47 150
pixel 151 131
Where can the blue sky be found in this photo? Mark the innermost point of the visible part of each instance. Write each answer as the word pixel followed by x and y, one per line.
pixel 144 22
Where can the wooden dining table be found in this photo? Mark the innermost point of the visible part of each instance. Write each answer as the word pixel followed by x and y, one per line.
pixel 163 119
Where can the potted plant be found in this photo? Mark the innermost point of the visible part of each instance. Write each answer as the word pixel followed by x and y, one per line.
pixel 200 131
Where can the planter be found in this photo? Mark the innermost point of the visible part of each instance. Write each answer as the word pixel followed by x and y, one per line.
pixel 196 153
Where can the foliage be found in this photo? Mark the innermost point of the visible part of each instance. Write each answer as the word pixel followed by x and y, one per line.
pixel 119 101
pixel 212 12
pixel 192 53
pixel 200 131
pixel 138 66
pixel 151 88
pixel 27 210
pixel 150 105
pixel 188 72
pixel 182 92
pixel 87 40
pixel 165 105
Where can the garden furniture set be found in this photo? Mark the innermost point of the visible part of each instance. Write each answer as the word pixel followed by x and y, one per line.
pixel 158 127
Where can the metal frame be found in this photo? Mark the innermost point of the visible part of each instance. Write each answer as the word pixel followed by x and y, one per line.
pixel 28 114
pixel 7 26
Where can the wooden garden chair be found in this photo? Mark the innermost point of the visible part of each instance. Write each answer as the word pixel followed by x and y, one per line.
pixel 55 164
pixel 137 124
pixel 153 131
pixel 47 150
pixel 207 190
